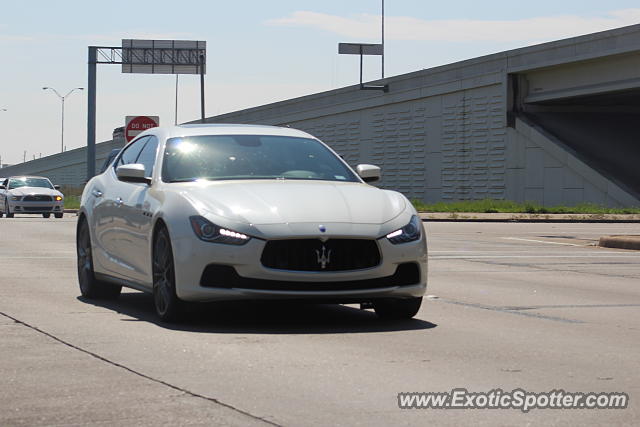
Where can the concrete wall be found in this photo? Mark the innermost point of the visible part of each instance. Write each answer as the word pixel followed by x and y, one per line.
pixel 448 146
pixel 538 169
pixel 67 169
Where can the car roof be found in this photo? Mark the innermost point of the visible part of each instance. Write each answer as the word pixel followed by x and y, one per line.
pixel 227 129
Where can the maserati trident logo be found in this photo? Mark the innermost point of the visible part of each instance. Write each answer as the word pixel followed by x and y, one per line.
pixel 324 257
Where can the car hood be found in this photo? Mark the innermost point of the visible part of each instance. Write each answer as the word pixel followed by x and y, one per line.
pixel 25 191
pixel 288 201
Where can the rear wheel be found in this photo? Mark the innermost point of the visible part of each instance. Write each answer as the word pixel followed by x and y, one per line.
pixel 90 287
pixel 397 308
pixel 6 210
pixel 58 215
pixel 167 303
pixel 46 215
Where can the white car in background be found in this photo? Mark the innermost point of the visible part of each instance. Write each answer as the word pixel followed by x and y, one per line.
pixel 30 195
pixel 232 212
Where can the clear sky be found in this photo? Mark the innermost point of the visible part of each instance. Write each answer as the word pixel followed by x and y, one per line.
pixel 258 52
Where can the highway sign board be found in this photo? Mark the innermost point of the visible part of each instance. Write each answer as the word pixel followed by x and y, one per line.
pixel 164 56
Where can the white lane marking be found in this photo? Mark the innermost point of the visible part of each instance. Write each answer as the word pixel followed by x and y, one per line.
pixel 540 241
pixel 37 257
pixel 532 256
pixel 500 251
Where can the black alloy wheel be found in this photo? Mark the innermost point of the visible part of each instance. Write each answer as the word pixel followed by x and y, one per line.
pixel 90 287
pixel 167 303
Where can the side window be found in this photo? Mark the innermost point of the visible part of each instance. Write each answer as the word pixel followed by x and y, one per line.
pixel 148 156
pixel 130 154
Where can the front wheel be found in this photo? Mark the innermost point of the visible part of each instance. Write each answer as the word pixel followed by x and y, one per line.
pixel 90 287
pixel 397 308
pixel 6 210
pixel 167 303
pixel 58 215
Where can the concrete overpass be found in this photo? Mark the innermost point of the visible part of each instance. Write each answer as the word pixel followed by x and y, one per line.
pixel 551 123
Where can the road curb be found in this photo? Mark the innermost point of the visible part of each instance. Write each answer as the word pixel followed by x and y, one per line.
pixel 523 217
pixel 620 242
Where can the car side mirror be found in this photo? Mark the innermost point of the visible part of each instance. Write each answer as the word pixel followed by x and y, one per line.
pixel 2 187
pixel 132 173
pixel 369 173
pixel 57 187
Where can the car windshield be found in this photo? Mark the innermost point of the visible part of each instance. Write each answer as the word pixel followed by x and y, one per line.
pixel 225 157
pixel 29 182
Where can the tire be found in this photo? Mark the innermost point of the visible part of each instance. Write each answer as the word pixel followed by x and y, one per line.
pixel 90 287
pixel 58 215
pixel 397 308
pixel 6 210
pixel 167 304
pixel 46 215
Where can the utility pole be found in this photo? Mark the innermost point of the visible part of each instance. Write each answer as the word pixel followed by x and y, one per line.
pixel 383 39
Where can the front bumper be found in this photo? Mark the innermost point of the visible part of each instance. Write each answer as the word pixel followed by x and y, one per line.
pixel 192 257
pixel 26 207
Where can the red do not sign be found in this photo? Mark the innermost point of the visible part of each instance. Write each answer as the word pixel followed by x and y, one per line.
pixel 137 124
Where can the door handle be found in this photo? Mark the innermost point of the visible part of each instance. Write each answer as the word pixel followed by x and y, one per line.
pixel 119 201
pixel 96 193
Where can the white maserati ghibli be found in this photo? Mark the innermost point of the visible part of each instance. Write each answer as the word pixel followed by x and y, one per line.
pixel 230 212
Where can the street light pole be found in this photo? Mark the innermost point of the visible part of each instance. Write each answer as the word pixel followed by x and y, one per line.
pixel 2 109
pixel 62 99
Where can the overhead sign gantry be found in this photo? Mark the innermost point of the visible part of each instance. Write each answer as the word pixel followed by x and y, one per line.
pixel 147 57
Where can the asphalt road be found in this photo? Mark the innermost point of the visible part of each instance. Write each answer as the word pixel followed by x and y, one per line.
pixel 529 306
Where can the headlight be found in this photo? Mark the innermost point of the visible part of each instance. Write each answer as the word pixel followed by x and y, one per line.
pixel 408 233
pixel 209 232
pixel 16 198
pixel 57 198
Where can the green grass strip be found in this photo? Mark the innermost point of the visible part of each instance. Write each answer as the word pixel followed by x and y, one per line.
pixel 507 206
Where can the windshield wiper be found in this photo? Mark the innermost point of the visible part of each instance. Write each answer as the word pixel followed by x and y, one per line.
pixel 183 180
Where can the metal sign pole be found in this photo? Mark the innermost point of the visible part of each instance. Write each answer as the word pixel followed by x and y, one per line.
pixel 176 116
pixel 91 113
pixel 361 60
pixel 202 88
pixel 383 39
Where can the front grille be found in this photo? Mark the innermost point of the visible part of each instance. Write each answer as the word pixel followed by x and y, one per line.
pixel 226 277
pixel 37 208
pixel 37 198
pixel 315 255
